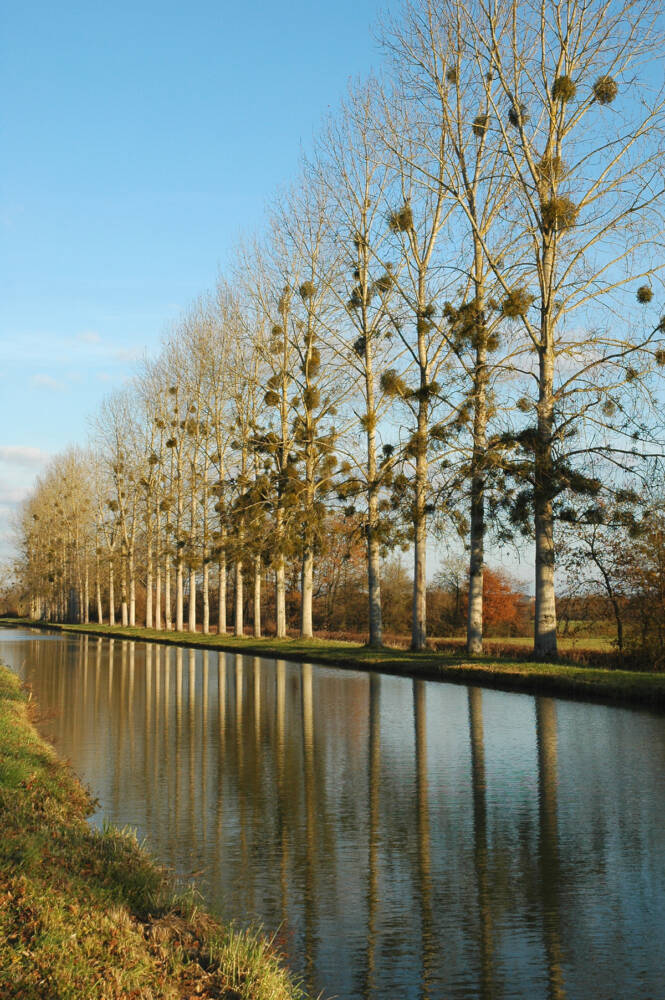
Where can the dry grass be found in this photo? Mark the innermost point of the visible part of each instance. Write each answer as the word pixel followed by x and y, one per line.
pixel 87 915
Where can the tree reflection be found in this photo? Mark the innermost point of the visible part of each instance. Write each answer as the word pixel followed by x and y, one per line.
pixel 310 821
pixel 549 842
pixel 422 821
pixel 480 853
pixel 373 783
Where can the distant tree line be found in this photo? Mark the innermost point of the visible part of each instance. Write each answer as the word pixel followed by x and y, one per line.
pixel 452 323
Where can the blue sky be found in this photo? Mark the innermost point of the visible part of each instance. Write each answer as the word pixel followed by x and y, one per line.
pixel 139 142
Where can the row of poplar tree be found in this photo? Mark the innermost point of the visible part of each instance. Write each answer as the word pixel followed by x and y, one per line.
pixel 452 321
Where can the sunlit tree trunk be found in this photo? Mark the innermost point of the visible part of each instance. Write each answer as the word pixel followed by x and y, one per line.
pixel 192 600
pixel 111 593
pixel 239 629
pixel 124 605
pixel 167 593
pixel 86 593
pixel 306 589
pixel 474 635
pixel 205 588
pixel 149 570
pixel 257 597
pixel 221 593
pixel 280 596
pixel 132 587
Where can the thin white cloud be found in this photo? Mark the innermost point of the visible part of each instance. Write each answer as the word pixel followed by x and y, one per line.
pixel 128 354
pixel 89 337
pixel 24 456
pixel 47 382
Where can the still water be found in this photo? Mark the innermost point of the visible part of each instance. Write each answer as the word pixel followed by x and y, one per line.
pixel 408 838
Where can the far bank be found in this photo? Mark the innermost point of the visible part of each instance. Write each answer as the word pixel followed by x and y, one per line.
pixel 560 679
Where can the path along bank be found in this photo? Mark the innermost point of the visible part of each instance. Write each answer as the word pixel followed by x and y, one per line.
pixel 87 914
pixel 560 679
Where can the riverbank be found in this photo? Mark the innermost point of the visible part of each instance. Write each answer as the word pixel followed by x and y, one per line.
pixel 88 915
pixel 560 679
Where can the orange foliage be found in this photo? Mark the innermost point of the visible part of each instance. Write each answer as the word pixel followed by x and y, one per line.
pixel 505 605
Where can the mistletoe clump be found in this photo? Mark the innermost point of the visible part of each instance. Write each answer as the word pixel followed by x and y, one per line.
pixel 550 170
pixel 559 212
pixel 480 125
pixel 644 294
pixel 393 385
pixel 401 220
pixel 517 303
pixel 563 89
pixel 518 114
pixel 605 89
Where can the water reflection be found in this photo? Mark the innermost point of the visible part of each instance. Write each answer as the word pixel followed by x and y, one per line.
pixel 549 842
pixel 480 844
pixel 404 838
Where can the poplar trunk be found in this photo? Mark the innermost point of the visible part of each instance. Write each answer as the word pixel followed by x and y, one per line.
pixel 474 629
pixel 167 594
pixel 306 588
pixel 132 590
pixel 545 643
pixel 123 593
pixel 111 595
pixel 280 597
pixel 179 621
pixel 148 587
pixel 221 595
pixel 206 599
pixel 192 600
pixel 239 629
pixel 257 597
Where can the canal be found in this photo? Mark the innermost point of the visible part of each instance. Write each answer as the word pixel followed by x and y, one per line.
pixel 403 838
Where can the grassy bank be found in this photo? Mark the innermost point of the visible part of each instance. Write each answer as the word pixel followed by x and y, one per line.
pixel 87 914
pixel 563 679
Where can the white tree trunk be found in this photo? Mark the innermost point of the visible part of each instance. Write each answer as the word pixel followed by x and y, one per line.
pixel 132 590
pixel 179 612
pixel 192 600
pixel 111 594
pixel 280 597
pixel 239 630
pixel 306 588
pixel 206 599
pixel 257 597
pixel 221 595
pixel 123 593
pixel 148 587
pixel 158 596
pixel 167 593
pixel 86 595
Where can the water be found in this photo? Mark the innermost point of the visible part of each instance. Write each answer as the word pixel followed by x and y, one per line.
pixel 405 838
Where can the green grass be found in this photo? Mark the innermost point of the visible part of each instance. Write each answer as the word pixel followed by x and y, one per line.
pixel 86 914
pixel 506 671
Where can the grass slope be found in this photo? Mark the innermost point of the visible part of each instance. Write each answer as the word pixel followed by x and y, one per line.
pixel 87 914
pixel 562 679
